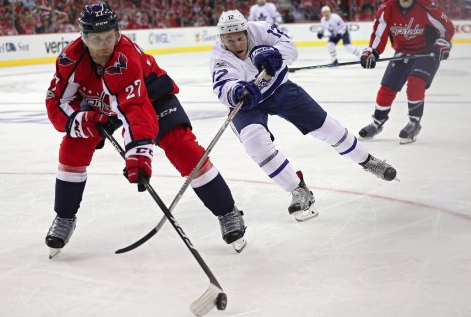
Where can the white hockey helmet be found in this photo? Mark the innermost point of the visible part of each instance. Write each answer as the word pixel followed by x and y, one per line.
pixel 325 9
pixel 231 21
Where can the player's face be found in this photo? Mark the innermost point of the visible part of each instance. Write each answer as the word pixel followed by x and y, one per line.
pixel 101 45
pixel 406 3
pixel 326 14
pixel 237 43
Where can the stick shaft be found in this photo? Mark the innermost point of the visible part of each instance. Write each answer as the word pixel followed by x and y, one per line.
pixel 190 178
pixel 397 58
pixel 167 214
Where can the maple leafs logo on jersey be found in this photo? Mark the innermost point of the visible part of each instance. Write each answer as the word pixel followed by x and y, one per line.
pixel 64 60
pixel 121 63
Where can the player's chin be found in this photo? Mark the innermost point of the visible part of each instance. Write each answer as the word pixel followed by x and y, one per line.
pixel 106 53
pixel 241 54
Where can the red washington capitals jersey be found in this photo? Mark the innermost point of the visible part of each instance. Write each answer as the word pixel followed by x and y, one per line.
pixel 413 30
pixel 125 87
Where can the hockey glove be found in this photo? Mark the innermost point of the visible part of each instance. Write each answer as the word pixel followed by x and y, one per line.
pixel 320 35
pixel 368 58
pixel 246 91
pixel 268 58
pixel 441 49
pixel 139 160
pixel 84 124
pixel 335 38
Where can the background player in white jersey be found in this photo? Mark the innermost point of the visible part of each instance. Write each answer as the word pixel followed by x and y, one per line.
pixel 333 23
pixel 243 50
pixel 414 27
pixel 265 11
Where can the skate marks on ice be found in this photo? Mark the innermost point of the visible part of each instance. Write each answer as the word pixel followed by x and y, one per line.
pixel 363 246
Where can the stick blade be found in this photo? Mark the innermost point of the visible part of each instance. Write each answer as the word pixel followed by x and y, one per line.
pixel 212 297
pixel 53 252
pixel 137 243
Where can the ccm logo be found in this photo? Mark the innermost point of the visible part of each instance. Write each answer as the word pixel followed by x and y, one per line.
pixel 143 150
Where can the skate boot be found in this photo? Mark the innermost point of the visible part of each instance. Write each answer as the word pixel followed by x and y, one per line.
pixel 372 129
pixel 59 234
pixel 379 168
pixel 302 202
pixel 410 132
pixel 233 229
pixel 335 62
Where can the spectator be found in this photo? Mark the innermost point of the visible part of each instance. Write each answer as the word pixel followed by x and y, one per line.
pixel 7 26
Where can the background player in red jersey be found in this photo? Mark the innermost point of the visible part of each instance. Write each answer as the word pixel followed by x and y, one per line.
pixel 104 78
pixel 414 27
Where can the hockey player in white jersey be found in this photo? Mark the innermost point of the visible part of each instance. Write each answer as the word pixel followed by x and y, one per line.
pixel 246 48
pixel 337 28
pixel 265 11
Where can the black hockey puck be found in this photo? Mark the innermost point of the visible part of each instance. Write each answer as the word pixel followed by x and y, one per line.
pixel 221 301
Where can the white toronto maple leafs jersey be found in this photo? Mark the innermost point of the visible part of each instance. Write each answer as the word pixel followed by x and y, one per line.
pixel 266 12
pixel 227 69
pixel 335 25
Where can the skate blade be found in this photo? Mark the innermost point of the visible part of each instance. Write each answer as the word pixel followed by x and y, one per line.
pixel 53 252
pixel 407 141
pixel 305 215
pixel 239 245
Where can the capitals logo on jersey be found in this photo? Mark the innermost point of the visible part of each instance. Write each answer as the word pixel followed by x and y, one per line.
pixel 64 60
pixel 121 63
pixel 408 31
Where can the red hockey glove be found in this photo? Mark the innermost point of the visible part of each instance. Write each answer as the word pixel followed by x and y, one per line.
pixel 139 160
pixel 368 58
pixel 84 124
pixel 441 49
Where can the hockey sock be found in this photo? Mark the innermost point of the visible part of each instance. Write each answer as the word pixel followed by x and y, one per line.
pixel 259 146
pixel 352 49
pixel 332 50
pixel 68 198
pixel 216 196
pixel 336 135
pixel 384 100
pixel 415 97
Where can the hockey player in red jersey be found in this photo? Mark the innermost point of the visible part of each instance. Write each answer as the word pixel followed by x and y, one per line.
pixel 414 27
pixel 103 78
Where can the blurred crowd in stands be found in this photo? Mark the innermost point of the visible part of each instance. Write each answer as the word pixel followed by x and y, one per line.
pixel 60 16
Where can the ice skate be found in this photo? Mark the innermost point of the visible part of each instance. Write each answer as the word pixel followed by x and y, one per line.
pixel 372 129
pixel 409 133
pixel 59 234
pixel 379 168
pixel 233 229
pixel 302 203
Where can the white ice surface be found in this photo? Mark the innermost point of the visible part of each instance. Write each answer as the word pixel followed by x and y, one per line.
pixel 377 248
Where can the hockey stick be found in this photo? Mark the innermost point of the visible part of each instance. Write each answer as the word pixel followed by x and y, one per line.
pixel 179 195
pixel 397 58
pixel 214 295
